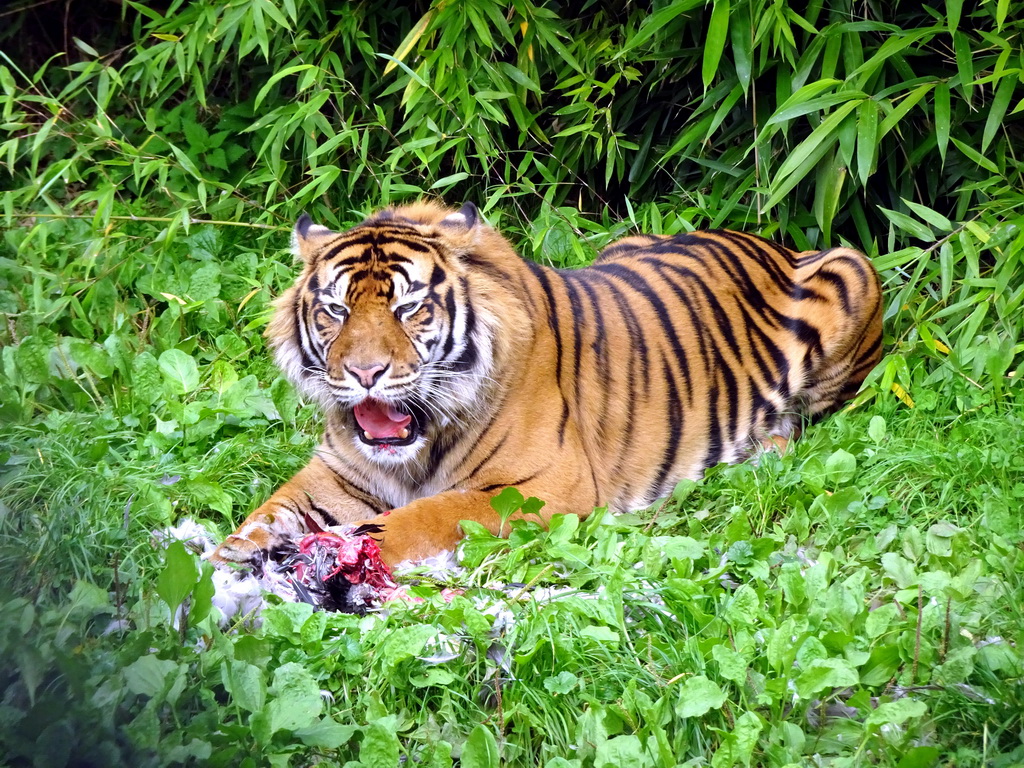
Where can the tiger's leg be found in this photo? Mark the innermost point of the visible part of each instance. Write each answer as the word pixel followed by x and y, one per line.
pixel 315 491
pixel 850 330
pixel 430 525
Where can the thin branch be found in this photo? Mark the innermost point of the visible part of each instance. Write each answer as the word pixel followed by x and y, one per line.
pixel 165 219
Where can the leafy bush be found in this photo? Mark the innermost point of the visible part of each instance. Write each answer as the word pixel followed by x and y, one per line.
pixel 154 160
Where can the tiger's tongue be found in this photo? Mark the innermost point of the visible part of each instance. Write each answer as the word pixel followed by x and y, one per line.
pixel 380 420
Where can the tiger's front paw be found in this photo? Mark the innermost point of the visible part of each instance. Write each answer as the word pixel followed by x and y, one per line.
pixel 402 537
pixel 236 551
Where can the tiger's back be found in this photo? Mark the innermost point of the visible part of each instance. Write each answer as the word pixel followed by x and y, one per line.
pixel 449 368
pixel 691 350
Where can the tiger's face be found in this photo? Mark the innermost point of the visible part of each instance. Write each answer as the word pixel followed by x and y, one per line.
pixel 381 327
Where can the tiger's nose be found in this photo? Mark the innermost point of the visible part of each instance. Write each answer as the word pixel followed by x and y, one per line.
pixel 367 376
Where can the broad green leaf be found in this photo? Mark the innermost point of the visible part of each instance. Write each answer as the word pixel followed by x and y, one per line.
pixel 178 577
pixel 379 747
pixel 246 683
pixel 620 751
pixel 876 429
pixel 803 95
pixel 562 528
pixel 1002 9
pixel 149 675
pixel 738 746
pixel 826 673
pixel 92 356
pixel 202 595
pixel 879 620
pixel 326 734
pixel 179 370
pixel 508 501
pixel 893 45
pixel 742 607
pixel 698 696
pixel 904 106
pixel 840 467
pixel 681 547
pixel 32 356
pixel 896 712
pixel 655 22
pixel 562 683
pixel 480 749
pixel 731 664
pixel 295 698
pixel 450 180
pixel 831 175
pixel 899 569
pixel 599 634
pixel 404 643
pixel 819 104
pixel 793 583
pixel 276 78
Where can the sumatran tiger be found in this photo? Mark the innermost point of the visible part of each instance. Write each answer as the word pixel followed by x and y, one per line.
pixel 448 368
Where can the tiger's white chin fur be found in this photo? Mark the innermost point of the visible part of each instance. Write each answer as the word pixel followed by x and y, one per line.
pixel 390 455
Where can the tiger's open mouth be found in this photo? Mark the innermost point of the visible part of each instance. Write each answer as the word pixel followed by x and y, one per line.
pixel 382 423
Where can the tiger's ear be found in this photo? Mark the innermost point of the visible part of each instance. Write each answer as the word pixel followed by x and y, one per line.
pixel 466 218
pixel 307 236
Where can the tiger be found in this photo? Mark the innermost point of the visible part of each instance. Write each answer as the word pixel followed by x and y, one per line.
pixel 448 368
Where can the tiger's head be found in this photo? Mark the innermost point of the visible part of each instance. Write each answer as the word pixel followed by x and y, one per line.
pixel 389 324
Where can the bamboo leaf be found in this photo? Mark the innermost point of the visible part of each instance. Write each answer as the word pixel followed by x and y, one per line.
pixel 654 23
pixel 997 109
pixel 908 224
pixel 714 42
pixel 901 109
pixel 827 192
pixel 892 46
pixel 975 155
pixel 815 140
pixel 409 41
pixel 934 218
pixel 867 139
pixel 953 9
pixel 964 63
pixel 801 96
pixel 814 105
pixel 780 189
pixel 942 118
pixel 742 44
pixel 449 181
pixel 277 77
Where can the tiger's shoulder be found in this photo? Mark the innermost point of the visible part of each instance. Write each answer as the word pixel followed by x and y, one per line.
pixel 696 243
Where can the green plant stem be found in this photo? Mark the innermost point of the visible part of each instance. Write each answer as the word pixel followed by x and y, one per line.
pixel 162 219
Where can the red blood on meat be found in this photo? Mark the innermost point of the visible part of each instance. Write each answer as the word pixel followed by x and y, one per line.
pixel 326 555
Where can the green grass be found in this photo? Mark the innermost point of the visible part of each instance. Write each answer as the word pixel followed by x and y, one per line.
pixel 872 567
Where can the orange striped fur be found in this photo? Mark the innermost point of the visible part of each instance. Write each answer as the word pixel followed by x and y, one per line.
pixel 590 387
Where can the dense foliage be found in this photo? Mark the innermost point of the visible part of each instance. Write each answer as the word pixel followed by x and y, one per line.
pixel 856 600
